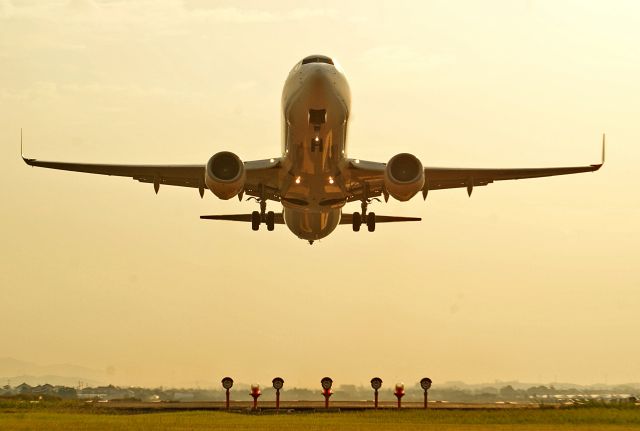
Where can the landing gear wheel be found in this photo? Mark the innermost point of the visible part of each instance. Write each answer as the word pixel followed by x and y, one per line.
pixel 255 220
pixel 371 222
pixel 356 221
pixel 270 220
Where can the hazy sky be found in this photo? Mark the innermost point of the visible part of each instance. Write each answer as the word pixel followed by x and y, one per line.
pixel 536 280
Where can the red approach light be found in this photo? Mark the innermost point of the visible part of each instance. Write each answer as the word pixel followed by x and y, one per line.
pixel 326 383
pixel 399 393
pixel 255 393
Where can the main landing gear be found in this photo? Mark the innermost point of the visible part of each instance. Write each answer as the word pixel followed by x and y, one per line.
pixel 359 219
pixel 257 218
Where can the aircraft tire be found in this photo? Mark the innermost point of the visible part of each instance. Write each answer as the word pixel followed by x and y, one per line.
pixel 270 221
pixel 356 221
pixel 255 220
pixel 371 222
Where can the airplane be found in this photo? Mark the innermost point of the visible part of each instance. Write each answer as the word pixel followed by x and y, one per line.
pixel 313 178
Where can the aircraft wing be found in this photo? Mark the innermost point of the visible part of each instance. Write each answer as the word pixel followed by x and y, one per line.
pixel 447 178
pixel 259 172
pixel 368 177
pixel 175 175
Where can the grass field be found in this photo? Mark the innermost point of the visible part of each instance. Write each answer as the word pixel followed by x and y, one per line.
pixel 70 417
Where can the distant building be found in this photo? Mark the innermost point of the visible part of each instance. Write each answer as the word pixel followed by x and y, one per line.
pixel 24 388
pixel 66 392
pixel 45 389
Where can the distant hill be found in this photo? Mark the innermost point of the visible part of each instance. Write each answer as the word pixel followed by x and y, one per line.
pixel 17 371
pixel 71 382
pixel 524 385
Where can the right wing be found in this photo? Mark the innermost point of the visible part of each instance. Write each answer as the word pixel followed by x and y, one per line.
pixel 448 178
pixel 367 178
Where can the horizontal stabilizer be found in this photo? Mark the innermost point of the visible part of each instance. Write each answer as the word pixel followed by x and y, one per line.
pixel 348 219
pixel 278 219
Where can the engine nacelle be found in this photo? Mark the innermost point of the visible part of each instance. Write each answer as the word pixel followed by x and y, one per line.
pixel 404 176
pixel 225 175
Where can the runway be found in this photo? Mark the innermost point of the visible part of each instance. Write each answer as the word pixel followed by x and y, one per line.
pixel 301 406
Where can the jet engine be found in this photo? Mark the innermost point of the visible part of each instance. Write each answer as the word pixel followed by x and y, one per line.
pixel 403 176
pixel 225 175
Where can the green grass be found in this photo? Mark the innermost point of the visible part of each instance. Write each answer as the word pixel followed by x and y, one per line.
pixel 76 417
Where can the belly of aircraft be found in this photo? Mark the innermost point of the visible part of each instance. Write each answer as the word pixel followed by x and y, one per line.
pixel 311 225
pixel 314 149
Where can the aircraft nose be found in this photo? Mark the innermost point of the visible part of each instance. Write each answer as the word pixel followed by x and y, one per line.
pixel 319 78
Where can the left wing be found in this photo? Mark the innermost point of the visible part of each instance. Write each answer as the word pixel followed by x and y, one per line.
pixel 262 175
pixel 367 178
pixel 174 175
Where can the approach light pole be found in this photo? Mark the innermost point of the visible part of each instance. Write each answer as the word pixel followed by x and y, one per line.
pixel 227 384
pixel 278 383
pixel 255 393
pixel 326 383
pixel 425 383
pixel 399 393
pixel 376 383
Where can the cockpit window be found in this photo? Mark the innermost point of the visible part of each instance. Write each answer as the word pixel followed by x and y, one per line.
pixel 317 59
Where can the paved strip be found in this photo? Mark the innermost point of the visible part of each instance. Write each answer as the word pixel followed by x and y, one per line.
pixel 300 405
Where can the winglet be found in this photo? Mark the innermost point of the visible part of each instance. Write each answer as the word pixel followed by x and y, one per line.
pixel 599 165
pixel 24 159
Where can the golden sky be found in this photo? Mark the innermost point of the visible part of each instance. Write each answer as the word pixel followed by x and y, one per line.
pixel 535 280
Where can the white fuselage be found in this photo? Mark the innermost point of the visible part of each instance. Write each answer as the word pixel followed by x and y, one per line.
pixel 316 101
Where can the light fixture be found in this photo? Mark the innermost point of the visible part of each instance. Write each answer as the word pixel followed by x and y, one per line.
pixel 426 385
pixel 331 180
pixel 399 393
pixel 326 383
pixel 255 393
pixel 298 179
pixel 376 383
pixel 278 383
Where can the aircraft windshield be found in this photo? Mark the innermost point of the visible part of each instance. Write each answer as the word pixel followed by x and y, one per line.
pixel 317 59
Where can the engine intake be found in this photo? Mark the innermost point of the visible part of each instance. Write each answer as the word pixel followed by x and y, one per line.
pixel 225 175
pixel 404 176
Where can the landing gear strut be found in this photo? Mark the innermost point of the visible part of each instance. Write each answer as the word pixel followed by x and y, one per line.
pixel 257 218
